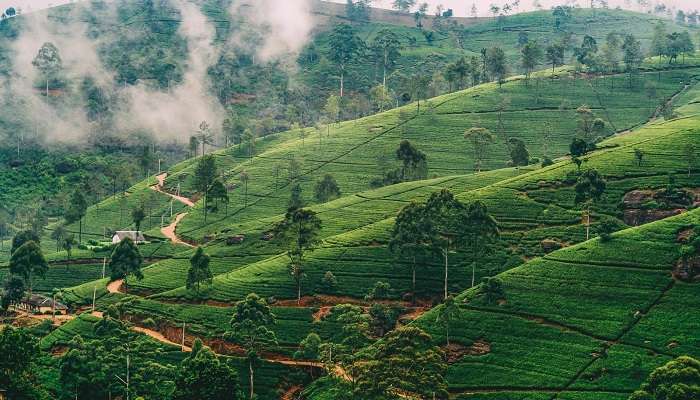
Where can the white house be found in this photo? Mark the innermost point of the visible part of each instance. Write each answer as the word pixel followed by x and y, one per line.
pixel 136 236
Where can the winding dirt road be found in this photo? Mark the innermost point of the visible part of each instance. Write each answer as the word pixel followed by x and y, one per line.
pixel 169 231
pixel 161 184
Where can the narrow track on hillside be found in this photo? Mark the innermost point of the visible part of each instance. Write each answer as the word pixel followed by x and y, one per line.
pixel 160 188
pixel 170 231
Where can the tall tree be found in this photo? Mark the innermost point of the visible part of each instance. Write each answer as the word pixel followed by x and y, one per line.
pixel 555 56
pixel 204 175
pixel 690 153
pixel 590 187
pixel 299 233
pixel 77 208
pixel 531 57
pixel 28 261
pixel 204 375
pixel 204 135
pixel 481 231
pixel 218 193
pixel 344 47
pixel 632 56
pixel 387 47
pixel 449 226
pixel 126 261
pixel 497 64
pixel 519 155
pixel 193 146
pixel 410 237
pixel 403 5
pixel 250 326
pixel 481 139
pixel 48 62
pixel 138 214
pixel 58 234
pixel 412 160
pixel 199 272
pixel 326 189
pixel 244 177
pixel 446 314
pixel 67 244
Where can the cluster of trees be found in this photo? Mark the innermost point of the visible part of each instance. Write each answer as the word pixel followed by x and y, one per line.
pixel 439 227
pixel 27 263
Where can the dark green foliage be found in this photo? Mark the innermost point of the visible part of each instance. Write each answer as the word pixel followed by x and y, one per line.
pixel 204 176
pixel 677 380
pixel 13 291
pixel 414 164
pixel 405 361
pixel 446 314
pixel 329 282
pixel 250 326
pixel 77 208
pixel 204 375
pixel 138 214
pixel 199 272
pixel 326 189
pixel 126 260
pixel 28 262
pixel 19 357
pixel 578 148
pixel 519 154
pixel 23 237
pixel 492 289
pixel 298 233
pixel 383 318
pixel 380 291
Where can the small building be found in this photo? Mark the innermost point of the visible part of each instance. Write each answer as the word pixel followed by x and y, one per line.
pixel 135 236
pixel 40 304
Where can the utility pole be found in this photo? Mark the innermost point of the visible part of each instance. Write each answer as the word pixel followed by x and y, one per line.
pixel 94 296
pixel 126 382
pixel 104 266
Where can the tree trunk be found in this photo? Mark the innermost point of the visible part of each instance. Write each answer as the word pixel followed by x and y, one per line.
pixel 47 89
pixel 252 379
pixel 205 206
pixel 342 81
pixel 414 280
pixel 299 291
pixel 447 329
pixel 80 231
pixel 588 223
pixel 473 272
pixel 444 254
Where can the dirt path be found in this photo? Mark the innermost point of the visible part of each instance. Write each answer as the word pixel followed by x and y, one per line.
pixel 159 188
pixel 159 337
pixel 114 287
pixel 169 231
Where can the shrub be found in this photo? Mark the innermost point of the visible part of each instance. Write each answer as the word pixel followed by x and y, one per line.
pixel 380 290
pixel 149 323
pixel 329 282
pixel 546 162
